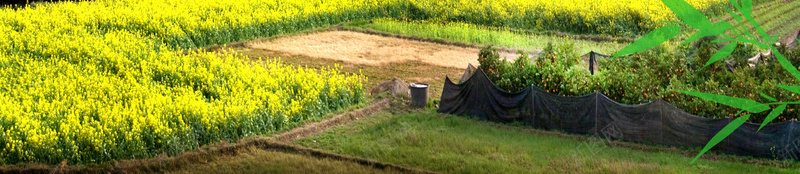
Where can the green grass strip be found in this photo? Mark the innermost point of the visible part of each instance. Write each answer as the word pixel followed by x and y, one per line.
pixel 453 144
pixel 480 35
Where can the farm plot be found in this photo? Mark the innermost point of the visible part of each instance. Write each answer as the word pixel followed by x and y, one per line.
pixel 94 87
pixel 366 49
pixel 777 18
pixel 452 144
pixel 376 57
pixel 480 35
pixel 380 58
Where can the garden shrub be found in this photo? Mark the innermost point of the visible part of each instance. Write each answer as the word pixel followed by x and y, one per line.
pixel 650 75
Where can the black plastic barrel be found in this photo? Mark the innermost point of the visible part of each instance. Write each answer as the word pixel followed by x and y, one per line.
pixel 419 94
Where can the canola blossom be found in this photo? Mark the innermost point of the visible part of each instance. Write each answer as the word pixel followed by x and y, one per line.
pixel 90 82
pixel 103 80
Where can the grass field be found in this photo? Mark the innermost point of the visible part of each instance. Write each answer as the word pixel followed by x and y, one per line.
pixel 255 160
pixel 480 35
pixel 453 144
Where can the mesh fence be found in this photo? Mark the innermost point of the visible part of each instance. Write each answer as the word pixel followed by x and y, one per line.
pixel 595 114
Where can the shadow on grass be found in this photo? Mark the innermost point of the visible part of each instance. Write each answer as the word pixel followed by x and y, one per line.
pixel 454 144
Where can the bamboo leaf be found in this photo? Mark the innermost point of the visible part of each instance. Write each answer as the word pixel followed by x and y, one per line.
pixel 722 134
pixel 736 4
pixel 739 7
pixel 713 29
pixel 721 54
pixel 690 15
pixel 795 89
pixel 734 15
pixel 741 103
pixel 767 97
pixel 747 7
pixel 786 64
pixel 672 22
pixel 772 115
pixel 650 40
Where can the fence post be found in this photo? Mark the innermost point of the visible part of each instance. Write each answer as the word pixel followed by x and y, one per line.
pixel 591 62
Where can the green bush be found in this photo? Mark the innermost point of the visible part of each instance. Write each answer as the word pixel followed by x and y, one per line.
pixel 650 75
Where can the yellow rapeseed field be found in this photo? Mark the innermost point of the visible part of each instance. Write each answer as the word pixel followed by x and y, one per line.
pixel 96 81
pixel 103 80
pixel 582 16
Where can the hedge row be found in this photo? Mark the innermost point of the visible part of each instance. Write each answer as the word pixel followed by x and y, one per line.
pixel 650 75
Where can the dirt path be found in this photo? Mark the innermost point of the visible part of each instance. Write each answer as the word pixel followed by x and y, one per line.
pixel 790 38
pixel 218 157
pixel 317 127
pixel 368 49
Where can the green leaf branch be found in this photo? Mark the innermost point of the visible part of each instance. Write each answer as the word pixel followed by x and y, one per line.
pixel 693 18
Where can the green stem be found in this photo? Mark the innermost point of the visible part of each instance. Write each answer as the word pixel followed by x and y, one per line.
pixel 740 22
pixel 763 33
pixel 774 39
pixel 785 63
pixel 740 40
pixel 766 104
pixel 729 37
pixel 745 31
pixel 738 33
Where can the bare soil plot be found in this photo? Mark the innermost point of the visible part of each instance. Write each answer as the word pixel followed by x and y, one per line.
pixel 373 50
pixel 411 71
pixel 365 49
pixel 379 58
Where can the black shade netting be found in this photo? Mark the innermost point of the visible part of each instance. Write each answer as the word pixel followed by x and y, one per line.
pixel 657 122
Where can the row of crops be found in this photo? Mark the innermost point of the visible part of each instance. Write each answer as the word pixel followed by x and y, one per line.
pixel 482 35
pixel 777 18
pixel 102 80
